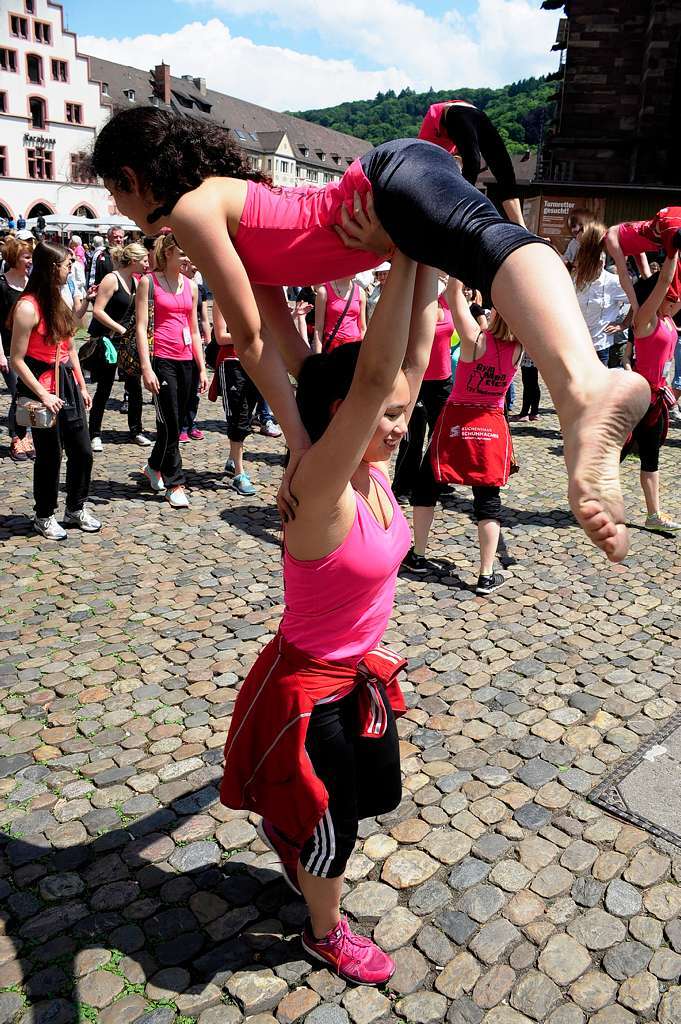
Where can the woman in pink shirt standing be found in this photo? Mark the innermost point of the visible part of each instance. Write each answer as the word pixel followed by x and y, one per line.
pixel 654 342
pixel 471 442
pixel 313 745
pixel 168 373
pixel 340 314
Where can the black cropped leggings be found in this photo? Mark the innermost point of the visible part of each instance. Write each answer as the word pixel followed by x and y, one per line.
pixel 435 216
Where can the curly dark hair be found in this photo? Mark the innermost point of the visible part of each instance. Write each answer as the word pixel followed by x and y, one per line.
pixel 170 153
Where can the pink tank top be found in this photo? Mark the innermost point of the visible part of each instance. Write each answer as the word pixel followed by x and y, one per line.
pixel 431 127
pixel 286 235
pixel 338 607
pixel 440 365
pixel 172 321
pixel 485 381
pixel 653 351
pixel 350 329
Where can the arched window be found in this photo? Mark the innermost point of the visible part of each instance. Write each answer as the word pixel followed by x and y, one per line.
pixel 39 210
pixel 34 68
pixel 84 211
pixel 4 212
pixel 38 109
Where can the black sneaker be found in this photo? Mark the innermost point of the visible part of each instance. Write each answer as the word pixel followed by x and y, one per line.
pixel 487 584
pixel 419 563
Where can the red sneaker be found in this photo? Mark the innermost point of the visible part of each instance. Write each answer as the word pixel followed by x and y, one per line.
pixel 184 437
pixel 288 854
pixel 196 434
pixel 353 957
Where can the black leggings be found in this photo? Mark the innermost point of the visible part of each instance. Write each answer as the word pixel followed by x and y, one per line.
pixel 435 216
pixel 70 436
pixel 486 503
pixel 414 475
pixel 649 441
pixel 106 374
pixel 531 390
pixel 361 775
pixel 475 137
pixel 239 398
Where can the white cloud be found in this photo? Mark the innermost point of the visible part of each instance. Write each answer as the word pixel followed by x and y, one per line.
pixel 272 76
pixel 505 40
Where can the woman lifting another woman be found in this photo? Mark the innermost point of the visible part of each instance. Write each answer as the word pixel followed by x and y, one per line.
pixel 250 239
pixel 313 745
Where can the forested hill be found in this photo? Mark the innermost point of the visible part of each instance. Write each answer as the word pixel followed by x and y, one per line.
pixel 515 109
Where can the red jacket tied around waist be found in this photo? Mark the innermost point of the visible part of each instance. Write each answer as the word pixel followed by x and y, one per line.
pixel 267 768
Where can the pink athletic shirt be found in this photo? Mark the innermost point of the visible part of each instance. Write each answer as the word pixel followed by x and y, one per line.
pixel 431 127
pixel 172 317
pixel 485 381
pixel 286 235
pixel 653 351
pixel 350 329
pixel 338 607
pixel 440 365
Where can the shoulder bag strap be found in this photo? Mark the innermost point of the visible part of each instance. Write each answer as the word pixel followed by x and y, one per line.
pixel 341 318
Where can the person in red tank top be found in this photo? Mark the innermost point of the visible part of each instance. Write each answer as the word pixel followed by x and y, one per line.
pixel 45 359
pixel 654 342
pixel 471 442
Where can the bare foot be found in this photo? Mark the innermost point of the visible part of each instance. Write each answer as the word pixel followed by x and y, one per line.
pixel 594 430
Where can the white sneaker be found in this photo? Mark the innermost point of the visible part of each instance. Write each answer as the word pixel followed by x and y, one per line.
pixel 270 429
pixel 96 444
pixel 155 479
pixel 49 528
pixel 177 497
pixel 142 440
pixel 83 519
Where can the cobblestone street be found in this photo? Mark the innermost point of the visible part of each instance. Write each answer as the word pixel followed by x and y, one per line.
pixel 128 893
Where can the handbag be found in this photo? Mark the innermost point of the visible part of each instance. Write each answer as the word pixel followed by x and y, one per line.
pixel 327 341
pixel 33 413
pixel 128 356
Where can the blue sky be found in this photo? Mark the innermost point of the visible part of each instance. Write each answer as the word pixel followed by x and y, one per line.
pixel 301 53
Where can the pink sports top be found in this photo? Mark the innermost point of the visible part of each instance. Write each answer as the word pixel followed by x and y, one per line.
pixel 350 329
pixel 485 381
pixel 286 234
pixel 172 322
pixel 431 126
pixel 440 365
pixel 653 351
pixel 338 607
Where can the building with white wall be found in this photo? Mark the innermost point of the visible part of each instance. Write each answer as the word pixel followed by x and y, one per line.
pixel 50 109
pixel 53 100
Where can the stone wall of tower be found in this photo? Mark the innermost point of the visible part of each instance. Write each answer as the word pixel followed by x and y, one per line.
pixel 614 121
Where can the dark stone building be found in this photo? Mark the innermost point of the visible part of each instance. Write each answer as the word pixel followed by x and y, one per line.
pixel 617 117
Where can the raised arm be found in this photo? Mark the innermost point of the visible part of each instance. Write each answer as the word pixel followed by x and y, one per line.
pixel 319 319
pixel 465 323
pixel 646 317
pixel 200 224
pixel 276 315
pixel 326 469
pixel 421 331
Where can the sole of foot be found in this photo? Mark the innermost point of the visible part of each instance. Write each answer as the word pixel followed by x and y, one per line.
pixel 593 440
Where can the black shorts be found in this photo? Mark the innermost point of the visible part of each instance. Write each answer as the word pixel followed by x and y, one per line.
pixel 435 216
pixel 239 398
pixel 361 775
pixel 649 441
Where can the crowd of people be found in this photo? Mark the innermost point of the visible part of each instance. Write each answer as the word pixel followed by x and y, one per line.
pixel 401 303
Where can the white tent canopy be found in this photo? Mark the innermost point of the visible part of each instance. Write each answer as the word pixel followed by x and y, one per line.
pixel 101 224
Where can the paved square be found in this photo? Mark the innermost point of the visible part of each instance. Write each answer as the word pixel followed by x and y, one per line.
pixel 128 893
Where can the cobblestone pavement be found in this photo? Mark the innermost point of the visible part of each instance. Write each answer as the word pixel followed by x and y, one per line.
pixel 128 893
